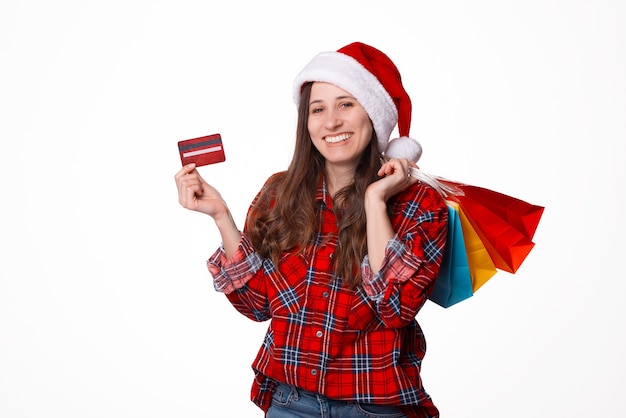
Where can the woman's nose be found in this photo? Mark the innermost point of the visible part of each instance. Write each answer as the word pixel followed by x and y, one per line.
pixel 333 119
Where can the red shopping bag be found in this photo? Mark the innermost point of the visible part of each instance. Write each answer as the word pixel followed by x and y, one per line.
pixel 522 215
pixel 507 246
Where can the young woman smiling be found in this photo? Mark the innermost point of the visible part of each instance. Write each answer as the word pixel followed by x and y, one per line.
pixel 339 252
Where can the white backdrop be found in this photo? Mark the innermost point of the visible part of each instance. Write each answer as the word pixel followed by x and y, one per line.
pixel 106 307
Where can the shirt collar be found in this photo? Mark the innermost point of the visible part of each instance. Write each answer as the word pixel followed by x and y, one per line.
pixel 322 196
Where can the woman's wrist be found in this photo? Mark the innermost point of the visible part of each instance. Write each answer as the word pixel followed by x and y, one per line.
pixel 374 203
pixel 223 219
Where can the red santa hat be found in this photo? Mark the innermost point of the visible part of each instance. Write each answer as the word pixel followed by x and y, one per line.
pixel 373 79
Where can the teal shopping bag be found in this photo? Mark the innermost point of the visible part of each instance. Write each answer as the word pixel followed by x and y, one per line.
pixel 454 282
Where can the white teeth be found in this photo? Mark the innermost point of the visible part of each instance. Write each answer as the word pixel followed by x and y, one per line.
pixel 335 139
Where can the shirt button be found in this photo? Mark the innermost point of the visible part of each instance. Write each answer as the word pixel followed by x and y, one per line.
pixel 325 294
pixel 313 372
pixel 319 333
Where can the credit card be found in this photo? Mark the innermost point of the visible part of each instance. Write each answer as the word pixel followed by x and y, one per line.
pixel 202 151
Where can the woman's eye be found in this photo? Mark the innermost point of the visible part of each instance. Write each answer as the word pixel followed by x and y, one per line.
pixel 316 110
pixel 347 104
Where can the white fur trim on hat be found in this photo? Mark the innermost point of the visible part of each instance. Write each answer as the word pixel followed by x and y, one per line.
pixel 348 74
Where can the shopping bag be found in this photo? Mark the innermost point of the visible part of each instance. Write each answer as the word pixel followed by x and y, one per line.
pixel 507 246
pixel 497 230
pixel 481 266
pixel 454 282
pixel 521 215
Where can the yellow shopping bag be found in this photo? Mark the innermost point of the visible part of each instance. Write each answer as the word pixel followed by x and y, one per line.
pixel 481 266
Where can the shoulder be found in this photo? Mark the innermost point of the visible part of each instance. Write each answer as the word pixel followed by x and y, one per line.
pixel 418 206
pixel 266 196
pixel 272 182
pixel 276 176
pixel 274 179
pixel 419 195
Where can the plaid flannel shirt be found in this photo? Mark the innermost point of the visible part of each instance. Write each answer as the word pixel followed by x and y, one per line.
pixel 362 345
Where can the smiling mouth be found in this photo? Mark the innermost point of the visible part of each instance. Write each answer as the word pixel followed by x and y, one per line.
pixel 338 138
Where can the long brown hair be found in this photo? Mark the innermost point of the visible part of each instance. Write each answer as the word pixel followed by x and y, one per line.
pixel 285 216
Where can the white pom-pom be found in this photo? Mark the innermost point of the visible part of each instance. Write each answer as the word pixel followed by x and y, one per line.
pixel 404 147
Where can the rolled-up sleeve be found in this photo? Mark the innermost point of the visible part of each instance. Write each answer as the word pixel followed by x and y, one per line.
pixel 233 273
pixel 398 262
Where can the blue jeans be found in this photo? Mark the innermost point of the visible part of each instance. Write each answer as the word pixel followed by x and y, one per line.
pixel 291 402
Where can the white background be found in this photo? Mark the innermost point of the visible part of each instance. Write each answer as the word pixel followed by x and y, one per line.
pixel 106 307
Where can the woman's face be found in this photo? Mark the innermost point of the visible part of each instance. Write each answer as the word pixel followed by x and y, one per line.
pixel 338 125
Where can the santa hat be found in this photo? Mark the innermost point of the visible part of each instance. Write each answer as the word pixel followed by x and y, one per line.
pixel 373 79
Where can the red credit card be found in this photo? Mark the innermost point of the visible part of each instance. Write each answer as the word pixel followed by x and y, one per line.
pixel 202 151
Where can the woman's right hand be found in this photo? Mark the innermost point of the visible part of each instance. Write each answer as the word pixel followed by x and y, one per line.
pixel 196 194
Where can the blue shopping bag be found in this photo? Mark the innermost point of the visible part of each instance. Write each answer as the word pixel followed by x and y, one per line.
pixel 454 282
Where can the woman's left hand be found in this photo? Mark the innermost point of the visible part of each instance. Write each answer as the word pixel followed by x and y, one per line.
pixel 395 178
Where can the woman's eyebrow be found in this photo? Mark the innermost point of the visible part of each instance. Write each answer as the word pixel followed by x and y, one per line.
pixel 336 98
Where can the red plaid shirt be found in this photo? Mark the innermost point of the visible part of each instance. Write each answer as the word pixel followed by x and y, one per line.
pixel 361 345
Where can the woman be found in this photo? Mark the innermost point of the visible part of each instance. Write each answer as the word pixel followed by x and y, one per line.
pixel 339 252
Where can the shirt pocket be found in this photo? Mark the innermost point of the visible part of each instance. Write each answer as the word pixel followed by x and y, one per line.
pixel 363 314
pixel 286 286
